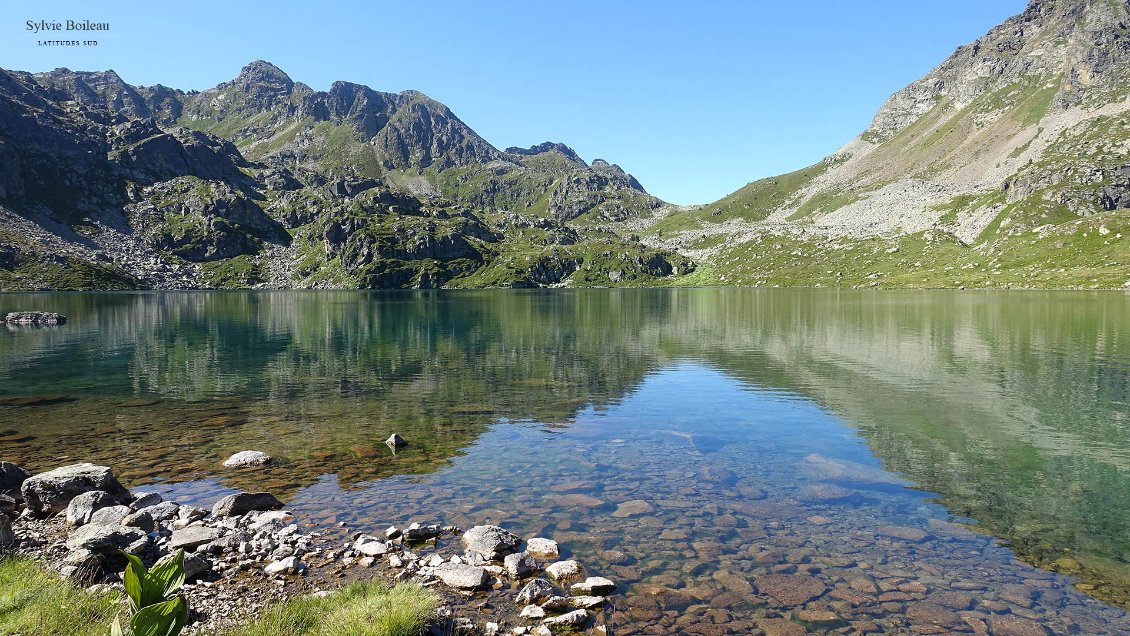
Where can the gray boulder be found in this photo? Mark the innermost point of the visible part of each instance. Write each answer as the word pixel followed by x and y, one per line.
pixel 520 565
pixel 104 539
pixel 145 499
pixel 593 586
pixel 83 507
pixel 461 576
pixel 164 511
pixel 50 492
pixel 535 592
pixel 193 537
pixel 242 503
pixel 491 541
pixel 12 477
pixel 195 565
pixel 140 519
pixel 420 532
pixel 110 516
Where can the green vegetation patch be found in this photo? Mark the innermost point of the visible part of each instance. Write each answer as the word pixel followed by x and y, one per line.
pixel 232 273
pixel 35 602
pixel 362 609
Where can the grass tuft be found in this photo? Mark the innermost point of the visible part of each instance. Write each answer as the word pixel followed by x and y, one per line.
pixel 36 602
pixel 361 609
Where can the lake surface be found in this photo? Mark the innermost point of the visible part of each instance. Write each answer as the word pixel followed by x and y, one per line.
pixel 925 462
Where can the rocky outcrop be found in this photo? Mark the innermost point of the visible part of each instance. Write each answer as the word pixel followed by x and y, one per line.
pixel 51 492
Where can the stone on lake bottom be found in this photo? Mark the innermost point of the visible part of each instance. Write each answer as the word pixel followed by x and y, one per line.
pixel 791 589
pixel 913 535
pixel 247 458
pixel 824 493
pixel 633 508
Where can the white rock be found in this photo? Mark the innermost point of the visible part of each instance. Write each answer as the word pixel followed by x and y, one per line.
pixel 563 570
pixel 573 619
pixel 247 458
pixel 289 565
pixel 586 602
pixel 542 548
pixel 594 585
pixel 532 612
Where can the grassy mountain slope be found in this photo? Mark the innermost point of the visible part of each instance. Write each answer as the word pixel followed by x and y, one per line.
pixel 1005 166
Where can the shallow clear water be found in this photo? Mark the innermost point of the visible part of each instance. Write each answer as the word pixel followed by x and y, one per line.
pixel 784 450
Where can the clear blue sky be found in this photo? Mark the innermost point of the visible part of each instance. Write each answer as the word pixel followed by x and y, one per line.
pixel 695 99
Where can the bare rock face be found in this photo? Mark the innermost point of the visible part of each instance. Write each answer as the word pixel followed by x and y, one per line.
pixel 51 492
pixel 491 541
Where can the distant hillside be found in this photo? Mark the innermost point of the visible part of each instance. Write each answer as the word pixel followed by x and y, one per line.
pixel 1007 165
pixel 262 181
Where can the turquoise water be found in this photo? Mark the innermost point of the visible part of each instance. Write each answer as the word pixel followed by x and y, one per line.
pixel 899 452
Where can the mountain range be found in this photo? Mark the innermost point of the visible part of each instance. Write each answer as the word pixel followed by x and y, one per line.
pixel 1006 166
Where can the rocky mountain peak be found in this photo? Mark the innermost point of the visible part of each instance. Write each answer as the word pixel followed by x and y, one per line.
pixel 265 74
pixel 548 146
pixel 1083 46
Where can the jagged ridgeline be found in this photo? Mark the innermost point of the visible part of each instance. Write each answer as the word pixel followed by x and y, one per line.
pixel 1007 165
pixel 265 181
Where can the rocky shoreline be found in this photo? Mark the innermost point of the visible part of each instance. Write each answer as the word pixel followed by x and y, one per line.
pixel 247 552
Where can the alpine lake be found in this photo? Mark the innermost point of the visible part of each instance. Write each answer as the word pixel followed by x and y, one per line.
pixel 735 459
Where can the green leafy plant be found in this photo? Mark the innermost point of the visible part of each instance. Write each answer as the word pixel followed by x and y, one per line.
pixel 155 610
